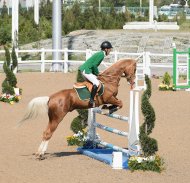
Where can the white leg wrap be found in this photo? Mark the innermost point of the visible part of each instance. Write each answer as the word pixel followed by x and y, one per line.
pixel 43 147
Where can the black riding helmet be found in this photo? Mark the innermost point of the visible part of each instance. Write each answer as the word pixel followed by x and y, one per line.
pixel 106 44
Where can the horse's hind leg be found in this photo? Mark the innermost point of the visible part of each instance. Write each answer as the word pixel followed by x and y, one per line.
pixel 54 121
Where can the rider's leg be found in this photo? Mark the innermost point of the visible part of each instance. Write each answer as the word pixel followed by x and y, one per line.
pixel 93 79
pixel 93 93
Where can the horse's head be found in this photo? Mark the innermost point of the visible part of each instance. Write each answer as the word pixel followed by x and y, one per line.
pixel 130 73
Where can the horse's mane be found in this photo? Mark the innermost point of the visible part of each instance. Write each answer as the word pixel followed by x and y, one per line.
pixel 118 66
pixel 116 70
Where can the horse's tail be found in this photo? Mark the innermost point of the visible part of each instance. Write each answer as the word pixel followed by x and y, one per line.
pixel 35 107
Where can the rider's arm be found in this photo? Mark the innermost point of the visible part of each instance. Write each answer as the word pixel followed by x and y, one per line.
pixel 95 70
pixel 97 60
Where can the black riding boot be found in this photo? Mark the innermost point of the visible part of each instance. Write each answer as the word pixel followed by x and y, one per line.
pixel 93 93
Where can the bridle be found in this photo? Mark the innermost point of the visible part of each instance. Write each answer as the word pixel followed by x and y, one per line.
pixel 131 78
pixel 131 81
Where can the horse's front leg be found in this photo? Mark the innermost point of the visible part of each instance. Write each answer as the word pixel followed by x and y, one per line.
pixel 116 104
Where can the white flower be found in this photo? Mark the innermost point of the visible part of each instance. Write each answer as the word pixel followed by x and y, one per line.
pixel 84 138
pixel 3 95
pixel 139 159
pixel 151 158
pixel 80 133
pixel 133 158
pixel 97 136
pixel 75 135
pixel 11 96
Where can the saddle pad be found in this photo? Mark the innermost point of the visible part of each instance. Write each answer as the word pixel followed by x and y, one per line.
pixel 84 94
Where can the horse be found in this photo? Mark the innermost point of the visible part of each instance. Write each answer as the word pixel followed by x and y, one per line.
pixel 59 104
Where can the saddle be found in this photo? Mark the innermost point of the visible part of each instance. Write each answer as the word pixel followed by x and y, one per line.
pixel 86 84
pixel 84 89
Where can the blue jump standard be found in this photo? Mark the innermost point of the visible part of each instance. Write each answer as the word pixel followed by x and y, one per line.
pixel 103 155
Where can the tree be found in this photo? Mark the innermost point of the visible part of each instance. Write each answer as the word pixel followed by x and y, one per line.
pixel 4 11
pixel 10 81
pixel 149 145
pixel 14 59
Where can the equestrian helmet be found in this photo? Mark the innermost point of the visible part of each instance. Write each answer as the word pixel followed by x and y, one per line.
pixel 106 44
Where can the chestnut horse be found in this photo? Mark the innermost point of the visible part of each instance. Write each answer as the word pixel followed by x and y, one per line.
pixel 64 101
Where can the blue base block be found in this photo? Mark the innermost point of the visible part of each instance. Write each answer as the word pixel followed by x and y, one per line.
pixel 104 155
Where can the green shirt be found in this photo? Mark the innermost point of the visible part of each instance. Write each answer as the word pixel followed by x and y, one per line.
pixel 91 65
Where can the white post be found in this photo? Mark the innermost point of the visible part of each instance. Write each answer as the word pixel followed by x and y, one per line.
pixel 133 138
pixel 66 58
pixel 115 56
pixel 43 60
pixel 36 11
pixel 151 11
pixel 147 64
pixel 15 17
pixel 91 128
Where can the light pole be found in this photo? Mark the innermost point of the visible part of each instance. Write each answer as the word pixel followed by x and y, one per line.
pixel 99 5
pixel 36 11
pixel 151 11
pixel 56 35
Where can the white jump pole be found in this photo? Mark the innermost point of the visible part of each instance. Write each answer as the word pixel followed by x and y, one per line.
pixel 133 138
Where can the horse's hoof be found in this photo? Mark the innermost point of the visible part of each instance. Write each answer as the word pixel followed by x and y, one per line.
pixel 40 156
pixel 104 107
pixel 105 111
pixel 36 154
pixel 113 110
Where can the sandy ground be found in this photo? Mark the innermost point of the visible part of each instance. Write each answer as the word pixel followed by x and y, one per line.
pixel 64 164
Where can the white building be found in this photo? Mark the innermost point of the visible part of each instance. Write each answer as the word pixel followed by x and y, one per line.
pixel 24 3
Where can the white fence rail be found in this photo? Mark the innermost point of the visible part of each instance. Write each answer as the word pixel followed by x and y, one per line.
pixel 146 61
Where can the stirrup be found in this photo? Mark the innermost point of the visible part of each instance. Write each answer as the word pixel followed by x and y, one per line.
pixel 92 103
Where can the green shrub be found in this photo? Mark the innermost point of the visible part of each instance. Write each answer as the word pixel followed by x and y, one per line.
pixel 80 122
pixel 166 79
pixel 14 58
pixel 148 160
pixel 166 83
pixel 149 145
pixel 10 81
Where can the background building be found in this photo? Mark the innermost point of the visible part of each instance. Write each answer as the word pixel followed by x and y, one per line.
pixel 23 3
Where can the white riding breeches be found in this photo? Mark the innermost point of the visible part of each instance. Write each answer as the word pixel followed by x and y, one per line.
pixel 92 78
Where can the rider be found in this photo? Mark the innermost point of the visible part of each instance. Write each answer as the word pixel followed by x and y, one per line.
pixel 90 68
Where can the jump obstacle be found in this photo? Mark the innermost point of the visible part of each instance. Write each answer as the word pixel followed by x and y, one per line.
pixel 105 154
pixel 181 66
